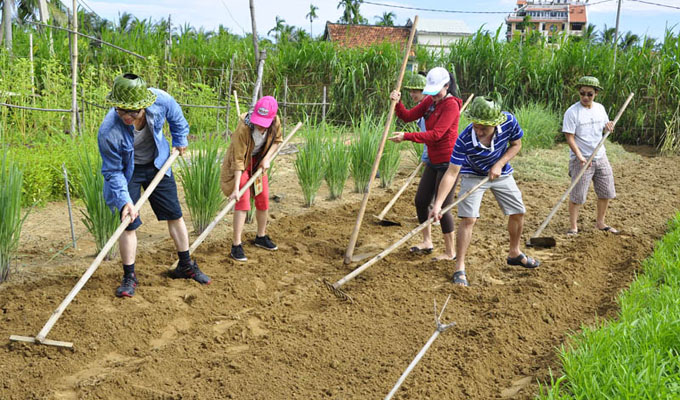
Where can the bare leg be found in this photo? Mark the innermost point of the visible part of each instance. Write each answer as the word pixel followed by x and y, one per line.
pixel 261 217
pixel 515 224
pixel 602 205
pixel 573 216
pixel 179 234
pixel 463 240
pixel 127 244
pixel 449 248
pixel 427 238
pixel 239 221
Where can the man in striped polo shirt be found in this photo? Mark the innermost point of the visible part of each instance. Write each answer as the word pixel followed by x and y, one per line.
pixel 484 148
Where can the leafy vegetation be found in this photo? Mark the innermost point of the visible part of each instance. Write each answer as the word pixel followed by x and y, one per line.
pixel 363 150
pixel 10 213
pixel 309 164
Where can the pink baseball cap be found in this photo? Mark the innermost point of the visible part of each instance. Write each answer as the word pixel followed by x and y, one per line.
pixel 265 111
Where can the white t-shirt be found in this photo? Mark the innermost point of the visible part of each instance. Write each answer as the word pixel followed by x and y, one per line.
pixel 586 124
pixel 259 137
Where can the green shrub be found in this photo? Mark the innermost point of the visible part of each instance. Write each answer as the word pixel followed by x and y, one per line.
pixel 363 151
pixel 309 165
pixel 337 163
pixel 10 213
pixel 200 177
pixel 540 124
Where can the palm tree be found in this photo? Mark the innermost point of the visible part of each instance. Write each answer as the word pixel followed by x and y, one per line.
pixel 124 22
pixel 629 40
pixel 589 34
pixel 278 29
pixel 387 19
pixel 311 15
pixel 350 13
pixel 607 35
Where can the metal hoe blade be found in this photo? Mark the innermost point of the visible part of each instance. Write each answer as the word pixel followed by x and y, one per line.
pixel 337 292
pixel 546 242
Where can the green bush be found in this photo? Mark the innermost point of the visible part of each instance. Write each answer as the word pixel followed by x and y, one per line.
pixel 541 126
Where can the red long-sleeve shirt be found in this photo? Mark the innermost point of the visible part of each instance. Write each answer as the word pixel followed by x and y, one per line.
pixel 441 126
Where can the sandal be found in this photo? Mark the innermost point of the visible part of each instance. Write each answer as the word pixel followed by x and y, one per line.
pixel 459 278
pixel 530 262
pixel 418 250
pixel 572 232
pixel 611 230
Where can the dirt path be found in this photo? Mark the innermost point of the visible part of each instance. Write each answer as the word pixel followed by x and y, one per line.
pixel 268 329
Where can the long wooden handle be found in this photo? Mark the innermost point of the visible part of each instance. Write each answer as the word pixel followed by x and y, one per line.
pixel 409 235
pixel 376 163
pixel 232 202
pixel 105 250
pixel 414 173
pixel 583 170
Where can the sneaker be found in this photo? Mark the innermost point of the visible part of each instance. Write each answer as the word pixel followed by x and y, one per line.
pixel 237 253
pixel 127 286
pixel 191 272
pixel 265 242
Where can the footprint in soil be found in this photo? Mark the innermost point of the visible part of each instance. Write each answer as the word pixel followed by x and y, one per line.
pixel 255 328
pixel 170 332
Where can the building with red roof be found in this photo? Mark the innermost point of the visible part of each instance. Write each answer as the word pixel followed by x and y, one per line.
pixel 547 17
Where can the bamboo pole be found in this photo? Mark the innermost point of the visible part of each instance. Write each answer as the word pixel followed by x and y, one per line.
pixel 232 202
pixel 68 201
pixel 376 163
pixel 231 77
pixel 74 69
pixel 30 56
pixel 238 107
pixel 41 336
pixel 260 73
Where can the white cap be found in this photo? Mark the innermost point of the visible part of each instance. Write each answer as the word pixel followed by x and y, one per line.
pixel 436 79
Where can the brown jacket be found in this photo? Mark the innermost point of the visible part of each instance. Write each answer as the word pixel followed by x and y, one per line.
pixel 240 151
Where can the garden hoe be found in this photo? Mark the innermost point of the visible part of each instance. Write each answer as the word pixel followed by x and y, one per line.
pixel 547 241
pixel 386 222
pixel 335 287
pixel 41 337
pixel 232 202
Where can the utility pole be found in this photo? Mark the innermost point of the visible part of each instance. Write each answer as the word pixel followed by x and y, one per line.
pixel 616 32
pixel 7 24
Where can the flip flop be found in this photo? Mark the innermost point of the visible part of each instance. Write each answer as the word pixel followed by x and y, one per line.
pixel 530 263
pixel 418 250
pixel 611 230
pixel 572 232
pixel 459 278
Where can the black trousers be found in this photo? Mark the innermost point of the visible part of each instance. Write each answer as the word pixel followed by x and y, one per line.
pixel 427 191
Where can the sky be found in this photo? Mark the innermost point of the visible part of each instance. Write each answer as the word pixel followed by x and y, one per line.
pixel 638 16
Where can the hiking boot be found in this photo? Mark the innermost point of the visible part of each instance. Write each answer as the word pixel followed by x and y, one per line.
pixel 190 272
pixel 265 242
pixel 127 286
pixel 237 253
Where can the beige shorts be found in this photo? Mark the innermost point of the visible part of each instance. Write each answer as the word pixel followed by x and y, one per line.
pixel 504 188
pixel 600 172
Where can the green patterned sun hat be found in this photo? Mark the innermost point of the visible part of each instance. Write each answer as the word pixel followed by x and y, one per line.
pixel 485 110
pixel 589 81
pixel 130 93
pixel 414 81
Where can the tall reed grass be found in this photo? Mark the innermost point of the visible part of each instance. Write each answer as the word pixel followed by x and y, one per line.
pixel 11 221
pixel 363 150
pixel 389 163
pixel 337 164
pixel 100 221
pixel 309 164
pixel 200 177
pixel 540 124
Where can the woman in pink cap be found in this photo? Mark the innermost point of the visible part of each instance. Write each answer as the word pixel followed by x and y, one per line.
pixel 256 138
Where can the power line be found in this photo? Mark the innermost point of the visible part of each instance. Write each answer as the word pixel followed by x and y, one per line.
pixel 232 17
pixel 459 11
pixel 657 4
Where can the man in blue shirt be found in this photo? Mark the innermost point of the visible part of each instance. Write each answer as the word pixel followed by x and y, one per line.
pixel 484 148
pixel 133 149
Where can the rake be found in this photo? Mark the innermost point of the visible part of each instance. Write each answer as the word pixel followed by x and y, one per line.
pixel 335 287
pixel 41 337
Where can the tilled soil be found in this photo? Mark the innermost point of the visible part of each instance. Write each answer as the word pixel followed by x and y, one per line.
pixel 269 329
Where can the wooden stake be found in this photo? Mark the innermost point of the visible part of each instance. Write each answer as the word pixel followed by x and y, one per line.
pixel 376 163
pixel 74 70
pixel 41 336
pixel 238 107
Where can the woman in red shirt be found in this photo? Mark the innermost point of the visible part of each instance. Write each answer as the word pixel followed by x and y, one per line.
pixel 441 110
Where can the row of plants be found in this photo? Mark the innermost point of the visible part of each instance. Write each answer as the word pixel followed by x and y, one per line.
pixel 637 356
pixel 358 79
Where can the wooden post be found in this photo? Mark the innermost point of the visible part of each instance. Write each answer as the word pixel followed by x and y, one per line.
pixel 74 69
pixel 81 121
pixel 256 49
pixel 30 56
pixel 238 107
pixel 258 82
pixel 362 209
pixel 231 77
pixel 68 201
pixel 323 109
pixel 285 104
pixel 219 100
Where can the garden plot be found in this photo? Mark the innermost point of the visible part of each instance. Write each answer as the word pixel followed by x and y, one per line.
pixel 268 329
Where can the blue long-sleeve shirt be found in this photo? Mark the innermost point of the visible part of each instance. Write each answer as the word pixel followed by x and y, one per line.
pixel 116 145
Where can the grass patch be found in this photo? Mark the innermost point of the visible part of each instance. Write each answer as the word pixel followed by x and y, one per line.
pixel 309 164
pixel 337 162
pixel 200 177
pixel 389 163
pixel 541 126
pixel 638 356
pixel 363 150
pixel 10 213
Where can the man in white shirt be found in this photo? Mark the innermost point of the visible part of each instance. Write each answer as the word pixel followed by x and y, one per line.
pixel 583 125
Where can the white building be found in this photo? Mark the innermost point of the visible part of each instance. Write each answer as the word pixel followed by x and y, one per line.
pixel 439 34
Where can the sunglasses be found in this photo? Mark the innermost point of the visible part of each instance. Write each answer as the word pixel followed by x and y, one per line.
pixel 131 113
pixel 587 94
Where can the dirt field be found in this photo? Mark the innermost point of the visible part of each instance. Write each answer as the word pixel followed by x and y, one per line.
pixel 268 329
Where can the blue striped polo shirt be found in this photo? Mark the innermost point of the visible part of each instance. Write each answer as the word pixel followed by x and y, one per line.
pixel 476 159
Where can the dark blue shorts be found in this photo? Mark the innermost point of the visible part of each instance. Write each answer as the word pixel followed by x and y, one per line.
pixel 164 201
